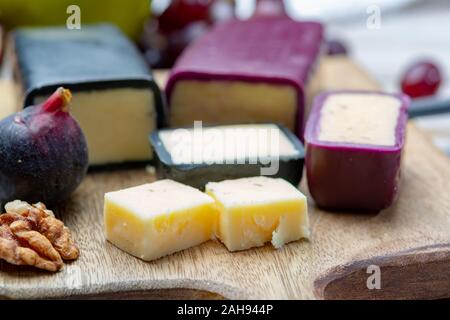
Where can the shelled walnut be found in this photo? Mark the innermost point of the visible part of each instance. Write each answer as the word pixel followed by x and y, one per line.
pixel 31 235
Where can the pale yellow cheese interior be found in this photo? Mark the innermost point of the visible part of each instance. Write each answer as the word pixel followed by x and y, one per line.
pixel 231 102
pixel 116 123
pixel 226 143
pixel 360 119
pixel 157 219
pixel 253 211
pixel 8 101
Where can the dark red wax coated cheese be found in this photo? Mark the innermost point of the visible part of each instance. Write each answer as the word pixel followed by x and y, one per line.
pixel 354 142
pixel 273 51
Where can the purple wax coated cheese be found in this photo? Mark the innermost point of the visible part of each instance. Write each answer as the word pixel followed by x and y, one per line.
pixel 354 147
pixel 274 51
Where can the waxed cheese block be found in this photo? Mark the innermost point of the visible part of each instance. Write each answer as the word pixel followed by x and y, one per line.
pixel 156 219
pixel 198 155
pixel 354 144
pixel 253 211
pixel 115 99
pixel 258 70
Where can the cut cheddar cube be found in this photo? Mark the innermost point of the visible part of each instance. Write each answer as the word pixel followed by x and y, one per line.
pixel 159 218
pixel 253 211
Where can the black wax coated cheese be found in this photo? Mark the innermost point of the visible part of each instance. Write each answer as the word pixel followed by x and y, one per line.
pixel 93 58
pixel 198 174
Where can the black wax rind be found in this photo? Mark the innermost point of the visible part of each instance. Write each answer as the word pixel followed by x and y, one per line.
pixel 95 57
pixel 198 175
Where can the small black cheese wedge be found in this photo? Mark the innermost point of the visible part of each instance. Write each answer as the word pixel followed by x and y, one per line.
pixel 198 155
pixel 115 98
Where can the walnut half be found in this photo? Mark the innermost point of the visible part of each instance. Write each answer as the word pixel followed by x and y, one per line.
pixel 31 235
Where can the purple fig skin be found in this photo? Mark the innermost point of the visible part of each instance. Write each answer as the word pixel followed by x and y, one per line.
pixel 43 156
pixel 353 177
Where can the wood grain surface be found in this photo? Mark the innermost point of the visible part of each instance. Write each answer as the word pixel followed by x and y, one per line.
pixel 410 242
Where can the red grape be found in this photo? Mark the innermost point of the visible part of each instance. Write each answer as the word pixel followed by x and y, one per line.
pixel 180 13
pixel 335 47
pixel 421 79
pixel 165 37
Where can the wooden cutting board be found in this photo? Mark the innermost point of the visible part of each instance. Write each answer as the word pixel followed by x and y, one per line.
pixel 409 242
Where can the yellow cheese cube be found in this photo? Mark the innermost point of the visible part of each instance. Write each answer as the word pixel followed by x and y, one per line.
pixel 157 219
pixel 253 211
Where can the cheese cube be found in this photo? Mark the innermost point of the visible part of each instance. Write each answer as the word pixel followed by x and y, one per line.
pixel 159 218
pixel 253 211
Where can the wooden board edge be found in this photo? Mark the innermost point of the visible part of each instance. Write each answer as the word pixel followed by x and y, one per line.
pixel 154 294
pixel 169 289
pixel 419 273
